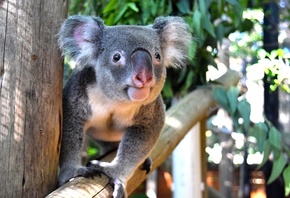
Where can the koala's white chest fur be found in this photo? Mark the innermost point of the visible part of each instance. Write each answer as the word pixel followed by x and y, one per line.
pixel 108 120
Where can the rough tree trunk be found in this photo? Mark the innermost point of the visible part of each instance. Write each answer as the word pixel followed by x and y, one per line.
pixel 30 96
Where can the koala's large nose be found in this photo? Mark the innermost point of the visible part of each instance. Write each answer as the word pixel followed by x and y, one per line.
pixel 142 66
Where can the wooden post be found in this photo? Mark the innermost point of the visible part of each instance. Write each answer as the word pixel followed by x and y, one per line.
pixel 30 96
pixel 203 160
pixel 187 174
pixel 179 120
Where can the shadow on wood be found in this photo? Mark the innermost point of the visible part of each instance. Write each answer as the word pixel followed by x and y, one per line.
pixel 179 120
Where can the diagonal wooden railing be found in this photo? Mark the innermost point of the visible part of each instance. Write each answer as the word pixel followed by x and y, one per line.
pixel 179 120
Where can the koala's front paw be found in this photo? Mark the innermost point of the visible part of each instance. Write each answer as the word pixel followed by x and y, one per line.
pixel 68 173
pixel 95 167
pixel 89 171
pixel 119 189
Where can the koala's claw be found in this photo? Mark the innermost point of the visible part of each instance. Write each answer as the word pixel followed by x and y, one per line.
pixel 119 189
pixel 89 171
pixel 147 164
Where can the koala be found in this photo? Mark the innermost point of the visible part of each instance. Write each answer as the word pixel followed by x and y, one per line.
pixel 113 95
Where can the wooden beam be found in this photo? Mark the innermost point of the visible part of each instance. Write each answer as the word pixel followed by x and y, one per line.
pixel 31 72
pixel 179 120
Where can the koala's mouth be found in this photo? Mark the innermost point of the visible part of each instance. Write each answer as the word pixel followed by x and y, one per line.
pixel 138 94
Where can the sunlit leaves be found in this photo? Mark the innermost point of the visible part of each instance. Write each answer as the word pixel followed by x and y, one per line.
pixel 269 139
pixel 276 68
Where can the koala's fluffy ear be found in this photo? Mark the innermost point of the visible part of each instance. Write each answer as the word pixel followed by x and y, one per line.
pixel 80 37
pixel 175 39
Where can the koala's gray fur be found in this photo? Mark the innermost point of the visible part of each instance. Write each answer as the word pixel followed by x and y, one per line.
pixel 113 94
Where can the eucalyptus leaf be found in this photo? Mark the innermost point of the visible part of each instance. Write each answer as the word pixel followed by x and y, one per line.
pixel 278 166
pixel 183 6
pixel 266 153
pixel 286 177
pixel 121 13
pixel 220 32
pixel 261 54
pixel 260 132
pixel 133 7
pixel 110 6
pixel 202 7
pixel 196 17
pixel 208 25
pixel 244 109
pixel 233 2
pixel 167 91
pixel 232 95
pixel 275 138
pixel 220 95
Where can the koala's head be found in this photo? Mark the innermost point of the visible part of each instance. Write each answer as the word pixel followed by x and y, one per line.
pixel 129 61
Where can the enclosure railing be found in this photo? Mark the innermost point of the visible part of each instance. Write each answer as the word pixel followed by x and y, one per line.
pixel 179 120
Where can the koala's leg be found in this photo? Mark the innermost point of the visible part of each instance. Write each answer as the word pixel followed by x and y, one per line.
pixel 133 150
pixel 106 147
pixel 70 160
pixel 71 149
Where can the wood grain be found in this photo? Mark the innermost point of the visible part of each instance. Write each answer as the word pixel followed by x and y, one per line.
pixel 30 96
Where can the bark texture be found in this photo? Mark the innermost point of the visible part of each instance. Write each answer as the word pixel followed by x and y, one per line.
pixel 30 96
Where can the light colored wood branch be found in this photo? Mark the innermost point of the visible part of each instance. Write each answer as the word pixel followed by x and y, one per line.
pixel 179 120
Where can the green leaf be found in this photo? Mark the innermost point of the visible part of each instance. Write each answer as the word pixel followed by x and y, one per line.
pixel 261 54
pixel 208 25
pixel 285 87
pixel 280 52
pixel 266 154
pixel 183 6
pixel 110 6
pixel 220 95
pixel 273 54
pixel 196 17
pixel 220 2
pixel 133 6
pixel 244 109
pixel 246 25
pixel 232 95
pixel 275 138
pixel 202 7
pixel 286 176
pixel 260 132
pixel 233 2
pixel 188 81
pixel 278 167
pixel 167 91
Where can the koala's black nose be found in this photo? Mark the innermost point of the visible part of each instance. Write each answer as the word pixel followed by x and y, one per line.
pixel 142 66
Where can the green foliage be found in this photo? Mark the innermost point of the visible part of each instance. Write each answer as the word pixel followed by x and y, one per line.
pixel 210 21
pixel 286 176
pixel 237 109
pixel 269 139
pixel 276 68
pixel 277 169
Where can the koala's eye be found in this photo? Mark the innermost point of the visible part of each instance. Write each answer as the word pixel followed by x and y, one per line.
pixel 157 56
pixel 116 57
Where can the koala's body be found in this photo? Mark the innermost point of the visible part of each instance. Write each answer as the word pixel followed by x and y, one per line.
pixel 113 95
